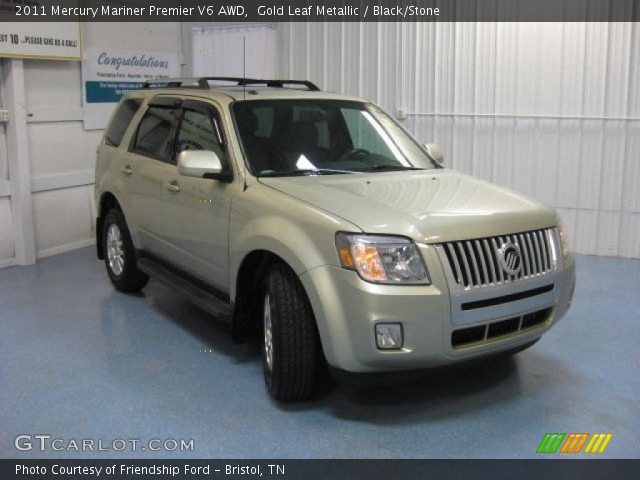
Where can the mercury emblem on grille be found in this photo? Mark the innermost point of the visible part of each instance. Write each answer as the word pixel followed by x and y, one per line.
pixel 510 258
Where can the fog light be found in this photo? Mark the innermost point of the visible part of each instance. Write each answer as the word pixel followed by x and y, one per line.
pixel 389 336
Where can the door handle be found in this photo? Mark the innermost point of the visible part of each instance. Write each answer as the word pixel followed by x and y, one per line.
pixel 173 186
pixel 126 170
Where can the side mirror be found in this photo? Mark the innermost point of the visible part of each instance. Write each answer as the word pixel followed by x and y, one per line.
pixel 202 164
pixel 435 153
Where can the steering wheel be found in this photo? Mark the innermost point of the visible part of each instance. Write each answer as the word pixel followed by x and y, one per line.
pixel 188 144
pixel 353 151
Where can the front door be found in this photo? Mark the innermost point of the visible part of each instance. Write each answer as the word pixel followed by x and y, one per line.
pixel 196 210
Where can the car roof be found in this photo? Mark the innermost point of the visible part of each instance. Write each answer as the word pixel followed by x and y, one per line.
pixel 226 93
pixel 255 93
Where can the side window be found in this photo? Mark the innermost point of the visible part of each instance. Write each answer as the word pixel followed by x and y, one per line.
pixel 121 120
pixel 200 131
pixel 156 132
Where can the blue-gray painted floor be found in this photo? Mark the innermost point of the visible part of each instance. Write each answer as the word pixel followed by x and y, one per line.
pixel 79 360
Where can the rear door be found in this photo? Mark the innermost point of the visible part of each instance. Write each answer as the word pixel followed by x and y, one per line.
pixel 145 165
pixel 196 210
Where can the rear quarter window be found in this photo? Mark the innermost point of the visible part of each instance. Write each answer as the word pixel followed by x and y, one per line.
pixel 121 120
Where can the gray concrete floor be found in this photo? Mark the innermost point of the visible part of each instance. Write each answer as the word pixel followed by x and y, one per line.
pixel 79 360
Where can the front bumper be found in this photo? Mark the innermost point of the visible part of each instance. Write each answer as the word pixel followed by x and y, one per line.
pixel 347 309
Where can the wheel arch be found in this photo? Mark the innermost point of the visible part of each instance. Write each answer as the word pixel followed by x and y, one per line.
pixel 246 289
pixel 274 237
pixel 247 286
pixel 107 202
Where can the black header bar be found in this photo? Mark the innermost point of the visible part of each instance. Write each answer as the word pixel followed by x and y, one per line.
pixel 122 469
pixel 236 11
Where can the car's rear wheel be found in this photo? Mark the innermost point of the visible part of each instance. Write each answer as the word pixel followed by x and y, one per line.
pixel 291 349
pixel 120 255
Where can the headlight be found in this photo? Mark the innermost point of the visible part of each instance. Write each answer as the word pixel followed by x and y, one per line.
pixel 382 259
pixel 564 238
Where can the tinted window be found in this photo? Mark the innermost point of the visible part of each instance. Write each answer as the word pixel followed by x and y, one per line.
pixel 199 131
pixel 264 117
pixel 121 120
pixel 292 136
pixel 315 116
pixel 365 133
pixel 156 133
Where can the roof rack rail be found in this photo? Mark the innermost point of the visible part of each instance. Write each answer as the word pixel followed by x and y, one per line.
pixel 203 82
pixel 173 83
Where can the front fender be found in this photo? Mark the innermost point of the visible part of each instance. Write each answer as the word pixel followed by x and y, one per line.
pixel 264 219
pixel 300 249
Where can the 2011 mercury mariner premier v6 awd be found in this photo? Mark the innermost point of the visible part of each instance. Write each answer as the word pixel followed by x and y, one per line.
pixel 317 221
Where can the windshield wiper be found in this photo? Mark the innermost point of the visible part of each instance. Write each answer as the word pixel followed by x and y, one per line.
pixel 378 168
pixel 305 171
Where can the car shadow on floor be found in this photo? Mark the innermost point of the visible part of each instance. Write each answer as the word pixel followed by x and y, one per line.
pixel 426 398
pixel 429 397
pixel 213 333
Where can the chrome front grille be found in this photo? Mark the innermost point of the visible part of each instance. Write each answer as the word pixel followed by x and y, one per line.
pixel 477 263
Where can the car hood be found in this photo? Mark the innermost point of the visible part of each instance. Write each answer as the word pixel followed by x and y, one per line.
pixel 428 206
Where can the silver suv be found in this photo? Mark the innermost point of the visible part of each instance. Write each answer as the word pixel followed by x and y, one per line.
pixel 317 222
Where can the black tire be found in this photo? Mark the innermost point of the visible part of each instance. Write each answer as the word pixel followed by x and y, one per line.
pixel 126 278
pixel 293 372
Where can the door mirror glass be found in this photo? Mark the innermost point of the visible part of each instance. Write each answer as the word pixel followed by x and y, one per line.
pixel 199 163
pixel 435 153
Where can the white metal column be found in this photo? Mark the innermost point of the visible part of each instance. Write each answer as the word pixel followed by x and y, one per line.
pixel 18 160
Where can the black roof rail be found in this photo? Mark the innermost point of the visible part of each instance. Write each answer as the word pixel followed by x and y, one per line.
pixel 174 83
pixel 203 82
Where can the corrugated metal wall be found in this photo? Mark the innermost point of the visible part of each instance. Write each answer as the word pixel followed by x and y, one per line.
pixel 549 109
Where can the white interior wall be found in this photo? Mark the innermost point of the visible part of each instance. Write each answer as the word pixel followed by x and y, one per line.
pixel 549 109
pixel 61 153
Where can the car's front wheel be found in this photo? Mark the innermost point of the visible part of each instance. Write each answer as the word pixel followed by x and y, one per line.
pixel 291 348
pixel 120 255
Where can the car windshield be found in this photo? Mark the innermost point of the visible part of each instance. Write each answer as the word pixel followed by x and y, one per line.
pixel 323 137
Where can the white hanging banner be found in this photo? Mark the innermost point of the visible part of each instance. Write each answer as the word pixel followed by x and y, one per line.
pixel 236 51
pixel 41 40
pixel 109 73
